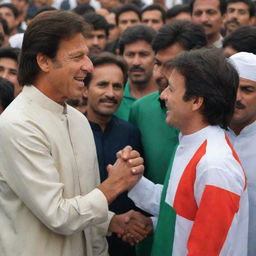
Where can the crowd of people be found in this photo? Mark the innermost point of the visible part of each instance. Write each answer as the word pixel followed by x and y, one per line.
pixel 127 127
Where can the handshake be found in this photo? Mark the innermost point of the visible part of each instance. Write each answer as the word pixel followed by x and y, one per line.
pixel 131 226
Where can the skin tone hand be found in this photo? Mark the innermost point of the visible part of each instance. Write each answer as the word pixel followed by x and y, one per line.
pixel 124 174
pixel 137 229
pixel 132 226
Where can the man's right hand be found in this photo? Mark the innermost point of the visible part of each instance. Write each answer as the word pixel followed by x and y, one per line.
pixel 124 174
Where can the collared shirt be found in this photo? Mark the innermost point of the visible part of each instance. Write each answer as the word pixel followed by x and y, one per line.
pixel 207 190
pixel 115 137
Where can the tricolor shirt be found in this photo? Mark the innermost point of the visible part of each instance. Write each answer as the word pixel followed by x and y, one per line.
pixel 207 192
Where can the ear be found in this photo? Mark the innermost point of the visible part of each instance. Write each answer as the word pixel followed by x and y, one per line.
pixel 252 20
pixel 224 18
pixel 43 62
pixel 85 92
pixel 197 103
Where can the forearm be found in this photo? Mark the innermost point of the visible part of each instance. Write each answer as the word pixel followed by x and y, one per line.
pixel 147 195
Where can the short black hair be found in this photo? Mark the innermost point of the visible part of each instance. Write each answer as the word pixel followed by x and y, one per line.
pixel 223 6
pixel 12 8
pixel 126 8
pixel 5 26
pixel 208 74
pixel 177 9
pixel 97 21
pixel 154 7
pixel 188 34
pixel 82 9
pixel 6 92
pixel 134 34
pixel 108 58
pixel 10 53
pixel 242 39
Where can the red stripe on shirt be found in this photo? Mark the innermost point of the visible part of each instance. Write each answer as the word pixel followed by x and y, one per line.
pixel 213 220
pixel 184 202
pixel 236 157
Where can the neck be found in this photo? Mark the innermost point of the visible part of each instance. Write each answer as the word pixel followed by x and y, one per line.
pixel 140 90
pixel 237 127
pixel 101 120
pixel 211 39
pixel 194 125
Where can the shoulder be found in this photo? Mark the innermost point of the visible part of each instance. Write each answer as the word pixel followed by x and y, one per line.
pixel 124 125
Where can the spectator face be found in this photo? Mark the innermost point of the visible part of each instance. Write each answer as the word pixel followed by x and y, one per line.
pixel 127 19
pixel 21 5
pixel 105 90
pixel 9 71
pixel 140 59
pixel 207 13
pixel 96 41
pixel 152 18
pixel 161 58
pixel 237 15
pixel 245 108
pixel 8 15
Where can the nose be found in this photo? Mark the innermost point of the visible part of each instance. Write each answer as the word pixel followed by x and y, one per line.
pixel 238 95
pixel 204 17
pixel 87 65
pixel 109 91
pixel 163 94
pixel 136 60
pixel 5 74
pixel 95 40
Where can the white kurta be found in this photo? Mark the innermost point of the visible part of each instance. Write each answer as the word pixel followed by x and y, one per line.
pixel 245 146
pixel 49 205
pixel 207 190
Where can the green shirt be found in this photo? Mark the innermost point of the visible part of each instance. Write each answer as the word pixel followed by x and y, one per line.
pixel 125 106
pixel 159 141
pixel 158 138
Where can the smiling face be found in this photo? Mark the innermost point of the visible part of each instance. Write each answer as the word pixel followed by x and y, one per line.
pixel 245 108
pixel 179 111
pixel 65 73
pixel 105 91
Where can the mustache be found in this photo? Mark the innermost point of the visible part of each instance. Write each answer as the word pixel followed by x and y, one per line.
pixel 207 25
pixel 109 100
pixel 239 105
pixel 136 68
pixel 233 20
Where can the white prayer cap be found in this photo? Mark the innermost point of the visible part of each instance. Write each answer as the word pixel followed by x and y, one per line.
pixel 245 64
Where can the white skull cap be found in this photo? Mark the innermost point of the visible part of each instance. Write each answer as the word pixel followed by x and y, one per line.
pixel 245 64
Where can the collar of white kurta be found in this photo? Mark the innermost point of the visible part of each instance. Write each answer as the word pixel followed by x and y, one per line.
pixel 198 136
pixel 35 95
pixel 247 130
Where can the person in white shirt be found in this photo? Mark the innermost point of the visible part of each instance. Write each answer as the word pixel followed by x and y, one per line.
pixel 204 203
pixel 243 132
pixel 51 200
